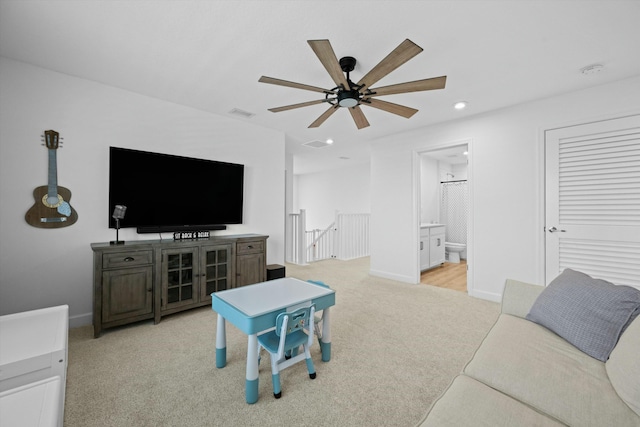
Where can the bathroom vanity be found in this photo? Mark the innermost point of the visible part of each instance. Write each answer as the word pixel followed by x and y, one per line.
pixel 432 252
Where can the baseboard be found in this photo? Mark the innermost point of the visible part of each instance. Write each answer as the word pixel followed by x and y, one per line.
pixel 489 296
pixel 80 320
pixel 396 277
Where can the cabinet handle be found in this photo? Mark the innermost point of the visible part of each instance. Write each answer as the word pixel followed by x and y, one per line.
pixel 149 290
pixel 129 259
pixel 250 246
pixel 421 245
pixel 438 241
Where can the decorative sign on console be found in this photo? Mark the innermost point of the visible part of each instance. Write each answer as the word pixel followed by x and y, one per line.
pixel 191 235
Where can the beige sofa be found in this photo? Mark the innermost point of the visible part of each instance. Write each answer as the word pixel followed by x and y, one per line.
pixel 525 375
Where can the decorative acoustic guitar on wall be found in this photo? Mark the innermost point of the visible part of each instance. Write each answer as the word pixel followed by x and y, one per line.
pixel 51 208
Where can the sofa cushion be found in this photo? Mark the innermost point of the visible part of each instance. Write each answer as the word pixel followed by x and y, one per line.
pixel 519 297
pixel 589 313
pixel 533 365
pixel 469 403
pixel 623 366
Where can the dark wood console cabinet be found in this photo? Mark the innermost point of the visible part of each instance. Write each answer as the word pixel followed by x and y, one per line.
pixel 148 279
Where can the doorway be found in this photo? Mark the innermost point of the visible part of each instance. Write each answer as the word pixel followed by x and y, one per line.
pixel 444 200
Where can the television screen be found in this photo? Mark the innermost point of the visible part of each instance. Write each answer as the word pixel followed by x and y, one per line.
pixel 171 193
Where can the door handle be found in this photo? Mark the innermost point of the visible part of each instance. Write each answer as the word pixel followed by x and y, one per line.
pixel 554 229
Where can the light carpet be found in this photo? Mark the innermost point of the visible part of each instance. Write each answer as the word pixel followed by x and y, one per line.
pixel 395 348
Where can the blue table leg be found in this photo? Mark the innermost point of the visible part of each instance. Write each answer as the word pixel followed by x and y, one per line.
pixel 251 386
pixel 325 341
pixel 221 343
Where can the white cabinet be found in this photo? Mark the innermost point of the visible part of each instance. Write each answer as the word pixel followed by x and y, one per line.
pixel 36 404
pixel 33 365
pixel 436 246
pixel 424 251
pixel 431 246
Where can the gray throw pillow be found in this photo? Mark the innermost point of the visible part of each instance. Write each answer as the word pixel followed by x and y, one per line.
pixel 589 313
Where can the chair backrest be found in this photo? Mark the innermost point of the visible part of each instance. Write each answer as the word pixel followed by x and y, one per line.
pixel 292 322
pixel 288 323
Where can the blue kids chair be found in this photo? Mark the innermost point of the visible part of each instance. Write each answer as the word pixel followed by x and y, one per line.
pixel 289 334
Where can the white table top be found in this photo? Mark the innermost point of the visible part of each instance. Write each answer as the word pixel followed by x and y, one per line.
pixel 266 297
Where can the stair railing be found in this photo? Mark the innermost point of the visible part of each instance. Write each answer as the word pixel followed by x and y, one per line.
pixel 345 238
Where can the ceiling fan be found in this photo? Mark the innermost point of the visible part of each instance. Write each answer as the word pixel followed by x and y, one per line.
pixel 352 95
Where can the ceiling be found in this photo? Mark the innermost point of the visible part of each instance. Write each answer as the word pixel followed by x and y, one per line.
pixel 209 55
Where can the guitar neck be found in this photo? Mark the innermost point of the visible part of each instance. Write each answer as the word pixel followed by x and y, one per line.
pixel 52 187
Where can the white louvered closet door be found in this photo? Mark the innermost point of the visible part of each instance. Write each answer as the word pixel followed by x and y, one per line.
pixel 593 200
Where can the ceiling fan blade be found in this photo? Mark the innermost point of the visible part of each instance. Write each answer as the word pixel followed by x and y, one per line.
pixel 358 117
pixel 415 86
pixel 401 54
pixel 324 116
pixel 292 106
pixel 390 107
pixel 279 82
pixel 327 56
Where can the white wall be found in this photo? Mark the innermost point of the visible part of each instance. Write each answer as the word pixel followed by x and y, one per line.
pixel 347 190
pixel 429 189
pixel 506 177
pixel 460 171
pixel 46 267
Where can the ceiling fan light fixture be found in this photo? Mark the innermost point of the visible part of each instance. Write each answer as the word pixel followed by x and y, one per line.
pixel 348 98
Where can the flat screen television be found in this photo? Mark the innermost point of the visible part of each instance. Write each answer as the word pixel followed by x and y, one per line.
pixel 167 193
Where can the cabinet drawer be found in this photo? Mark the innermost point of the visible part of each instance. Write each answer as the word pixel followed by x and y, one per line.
pixel 127 259
pixel 439 232
pixel 251 247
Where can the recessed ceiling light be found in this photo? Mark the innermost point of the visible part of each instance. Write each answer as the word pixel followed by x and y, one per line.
pixel 329 141
pixel 460 105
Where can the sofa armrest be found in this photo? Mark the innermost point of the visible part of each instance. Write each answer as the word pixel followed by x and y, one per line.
pixel 518 297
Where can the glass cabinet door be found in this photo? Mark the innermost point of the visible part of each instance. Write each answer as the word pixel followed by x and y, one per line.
pixel 217 270
pixel 179 276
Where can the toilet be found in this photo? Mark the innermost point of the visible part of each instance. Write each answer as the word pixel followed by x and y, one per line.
pixel 453 251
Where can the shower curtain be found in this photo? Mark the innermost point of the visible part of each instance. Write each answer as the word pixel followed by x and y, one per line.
pixel 454 210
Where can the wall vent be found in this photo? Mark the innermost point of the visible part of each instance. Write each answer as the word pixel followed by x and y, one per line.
pixel 316 144
pixel 241 113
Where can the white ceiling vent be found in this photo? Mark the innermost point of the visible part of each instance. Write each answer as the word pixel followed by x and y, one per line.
pixel 592 69
pixel 241 113
pixel 316 144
